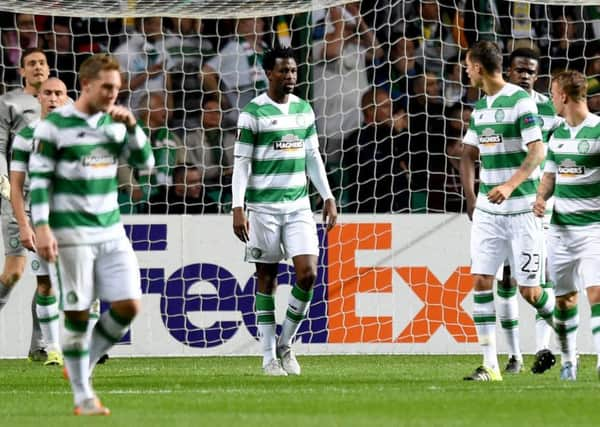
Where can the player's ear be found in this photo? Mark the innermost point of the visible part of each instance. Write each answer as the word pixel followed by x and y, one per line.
pixel 84 83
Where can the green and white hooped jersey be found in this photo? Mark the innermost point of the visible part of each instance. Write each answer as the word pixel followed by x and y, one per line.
pixel 276 137
pixel 501 127
pixel 21 150
pixel 549 122
pixel 574 157
pixel 73 173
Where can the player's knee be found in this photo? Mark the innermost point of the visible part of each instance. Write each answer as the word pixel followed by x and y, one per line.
pixel 43 286
pixel 506 283
pixel 307 277
pixel 529 294
pixel 266 280
pixel 10 277
pixel 565 302
pixel 126 309
pixel 482 282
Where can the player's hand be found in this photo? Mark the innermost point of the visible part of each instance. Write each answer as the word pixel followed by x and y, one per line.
pixel 330 213
pixel 499 193
pixel 539 207
pixel 4 187
pixel 240 224
pixel 122 115
pixel 27 237
pixel 47 247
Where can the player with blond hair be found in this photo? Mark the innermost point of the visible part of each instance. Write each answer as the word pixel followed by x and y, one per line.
pixel 77 222
pixel 572 177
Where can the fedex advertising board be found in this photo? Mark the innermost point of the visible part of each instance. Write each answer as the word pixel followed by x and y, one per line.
pixel 385 284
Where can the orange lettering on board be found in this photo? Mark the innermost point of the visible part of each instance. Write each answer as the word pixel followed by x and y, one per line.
pixel 346 280
pixel 442 305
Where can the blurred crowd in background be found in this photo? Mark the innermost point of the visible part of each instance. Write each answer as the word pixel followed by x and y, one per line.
pixel 385 77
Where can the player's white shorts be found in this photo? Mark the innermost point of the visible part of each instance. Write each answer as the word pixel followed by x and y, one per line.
pixel 39 266
pixel 107 270
pixel 573 259
pixel 277 237
pixel 546 282
pixel 518 238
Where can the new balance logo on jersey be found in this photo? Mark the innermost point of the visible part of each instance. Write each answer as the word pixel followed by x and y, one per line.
pixel 570 168
pixel 288 142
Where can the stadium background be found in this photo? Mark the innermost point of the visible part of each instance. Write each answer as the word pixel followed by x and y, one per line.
pixel 393 276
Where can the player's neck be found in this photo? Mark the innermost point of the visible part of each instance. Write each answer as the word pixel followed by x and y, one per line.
pixel 576 114
pixel 84 106
pixel 493 84
pixel 278 98
pixel 31 90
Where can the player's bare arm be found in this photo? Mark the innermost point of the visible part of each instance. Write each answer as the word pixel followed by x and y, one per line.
pixel 240 224
pixel 330 213
pixel 535 156
pixel 545 191
pixel 468 158
pixel 26 234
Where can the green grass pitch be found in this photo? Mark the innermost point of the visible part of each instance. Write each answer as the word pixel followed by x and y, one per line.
pixel 332 391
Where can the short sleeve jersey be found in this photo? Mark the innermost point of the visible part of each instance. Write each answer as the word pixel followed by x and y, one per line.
pixel 574 157
pixel 501 128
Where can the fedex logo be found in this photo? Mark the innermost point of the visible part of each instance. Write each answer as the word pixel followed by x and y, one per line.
pixel 334 315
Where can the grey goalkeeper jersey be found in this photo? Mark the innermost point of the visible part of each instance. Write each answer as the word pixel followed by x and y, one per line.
pixel 17 110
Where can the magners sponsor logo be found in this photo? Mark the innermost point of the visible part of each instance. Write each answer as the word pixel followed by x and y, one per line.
pixel 99 159
pixel 570 168
pixel 288 142
pixel 489 137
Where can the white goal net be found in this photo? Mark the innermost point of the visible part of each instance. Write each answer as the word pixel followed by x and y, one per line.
pixel 386 81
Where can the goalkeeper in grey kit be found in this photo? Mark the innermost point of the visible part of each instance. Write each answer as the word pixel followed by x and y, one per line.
pixel 19 108
pixel 276 147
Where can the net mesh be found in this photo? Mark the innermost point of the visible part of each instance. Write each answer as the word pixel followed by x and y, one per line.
pixel 385 79
pixel 176 8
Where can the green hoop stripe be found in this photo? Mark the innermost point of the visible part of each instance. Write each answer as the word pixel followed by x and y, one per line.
pixel 45 300
pixel 100 329
pixel 565 314
pixel 509 324
pixel 301 294
pixel 119 319
pixel 294 316
pixel 483 298
pixel 265 319
pixel 507 292
pixel 484 319
pixel 76 325
pixel 48 319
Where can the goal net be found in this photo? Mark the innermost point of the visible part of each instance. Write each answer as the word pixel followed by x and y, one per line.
pixel 392 101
